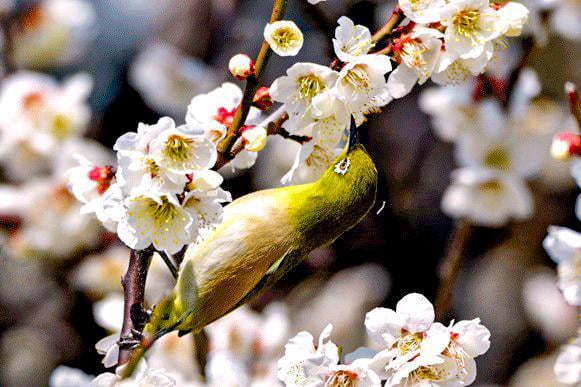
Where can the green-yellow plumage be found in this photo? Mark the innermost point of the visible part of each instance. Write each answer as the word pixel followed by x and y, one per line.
pixel 263 235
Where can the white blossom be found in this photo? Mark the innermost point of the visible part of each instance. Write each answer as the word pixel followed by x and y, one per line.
pixel 284 37
pixel 214 113
pixel 143 376
pixel 419 351
pixel 418 55
pixel 486 197
pixel 37 115
pixel 167 78
pixel 357 373
pixel 564 247
pixel 568 365
pixel 301 347
pixel 362 87
pixel 422 11
pixel 303 83
pixel 54 33
pixel 351 40
pixel 470 26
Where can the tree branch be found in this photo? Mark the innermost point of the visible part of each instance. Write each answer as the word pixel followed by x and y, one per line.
pixel 451 264
pixel 252 82
pixel 134 315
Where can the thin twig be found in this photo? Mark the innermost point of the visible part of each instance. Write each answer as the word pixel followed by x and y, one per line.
pixel 451 264
pixel 169 263
pixel 393 21
pixel 528 46
pixel 252 82
pixel 134 315
pixel 8 46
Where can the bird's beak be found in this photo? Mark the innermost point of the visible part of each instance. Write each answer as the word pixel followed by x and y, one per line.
pixel 353 135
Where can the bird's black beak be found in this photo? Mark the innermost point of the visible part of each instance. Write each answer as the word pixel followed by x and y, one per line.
pixel 353 135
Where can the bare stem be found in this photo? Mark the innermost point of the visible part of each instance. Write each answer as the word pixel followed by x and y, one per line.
pixel 169 263
pixel 252 83
pixel 134 315
pixel 528 46
pixel 393 21
pixel 7 50
pixel 451 264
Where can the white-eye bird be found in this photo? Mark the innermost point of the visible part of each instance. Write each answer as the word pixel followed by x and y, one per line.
pixel 263 235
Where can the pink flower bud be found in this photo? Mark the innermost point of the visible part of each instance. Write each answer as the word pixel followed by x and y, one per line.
pixel 253 138
pixel 262 99
pixel 566 145
pixel 241 66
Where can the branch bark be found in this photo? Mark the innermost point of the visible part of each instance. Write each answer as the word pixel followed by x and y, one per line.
pixel 134 315
pixel 450 266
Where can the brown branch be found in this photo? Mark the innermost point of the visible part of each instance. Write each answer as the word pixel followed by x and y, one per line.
pixel 450 266
pixel 134 315
pixel 7 50
pixel 393 21
pixel 251 85
pixel 528 46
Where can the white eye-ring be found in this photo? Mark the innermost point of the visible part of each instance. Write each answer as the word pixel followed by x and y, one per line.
pixel 342 166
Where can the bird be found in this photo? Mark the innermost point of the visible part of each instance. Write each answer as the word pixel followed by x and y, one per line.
pixel 263 235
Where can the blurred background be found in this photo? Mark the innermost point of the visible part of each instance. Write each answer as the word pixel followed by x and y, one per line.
pixel 60 271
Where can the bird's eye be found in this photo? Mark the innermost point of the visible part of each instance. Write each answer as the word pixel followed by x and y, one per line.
pixel 342 166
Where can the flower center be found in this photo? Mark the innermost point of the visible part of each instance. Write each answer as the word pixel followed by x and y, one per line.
pixel 310 86
pixel 342 379
pixel 497 158
pixel 61 126
pixel 163 213
pixel 358 77
pixel 409 343
pixel 151 167
pixel 466 23
pixel 225 116
pixel 490 186
pixel 285 37
pixel 102 176
pixel 412 54
pixel 177 148
pixel 428 373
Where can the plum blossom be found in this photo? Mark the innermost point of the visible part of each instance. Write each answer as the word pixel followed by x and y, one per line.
pixel 486 197
pixel 214 112
pixel 37 115
pixel 357 373
pixel 351 40
pixel 284 37
pixel 564 247
pixel 418 54
pixel 144 376
pixel 568 365
pixel 298 90
pixel 54 33
pixel 291 367
pixel 470 26
pixel 89 182
pixel 166 78
pixel 362 87
pixel 422 11
pixel 418 351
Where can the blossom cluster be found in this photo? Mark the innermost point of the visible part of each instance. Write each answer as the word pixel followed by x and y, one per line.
pixel 163 191
pixel 497 147
pixel 414 351
pixel 563 245
pixel 446 41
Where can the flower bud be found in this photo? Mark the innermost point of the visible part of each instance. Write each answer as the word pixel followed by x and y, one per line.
pixel 262 99
pixel 253 138
pixel 241 66
pixel 284 37
pixel 566 145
